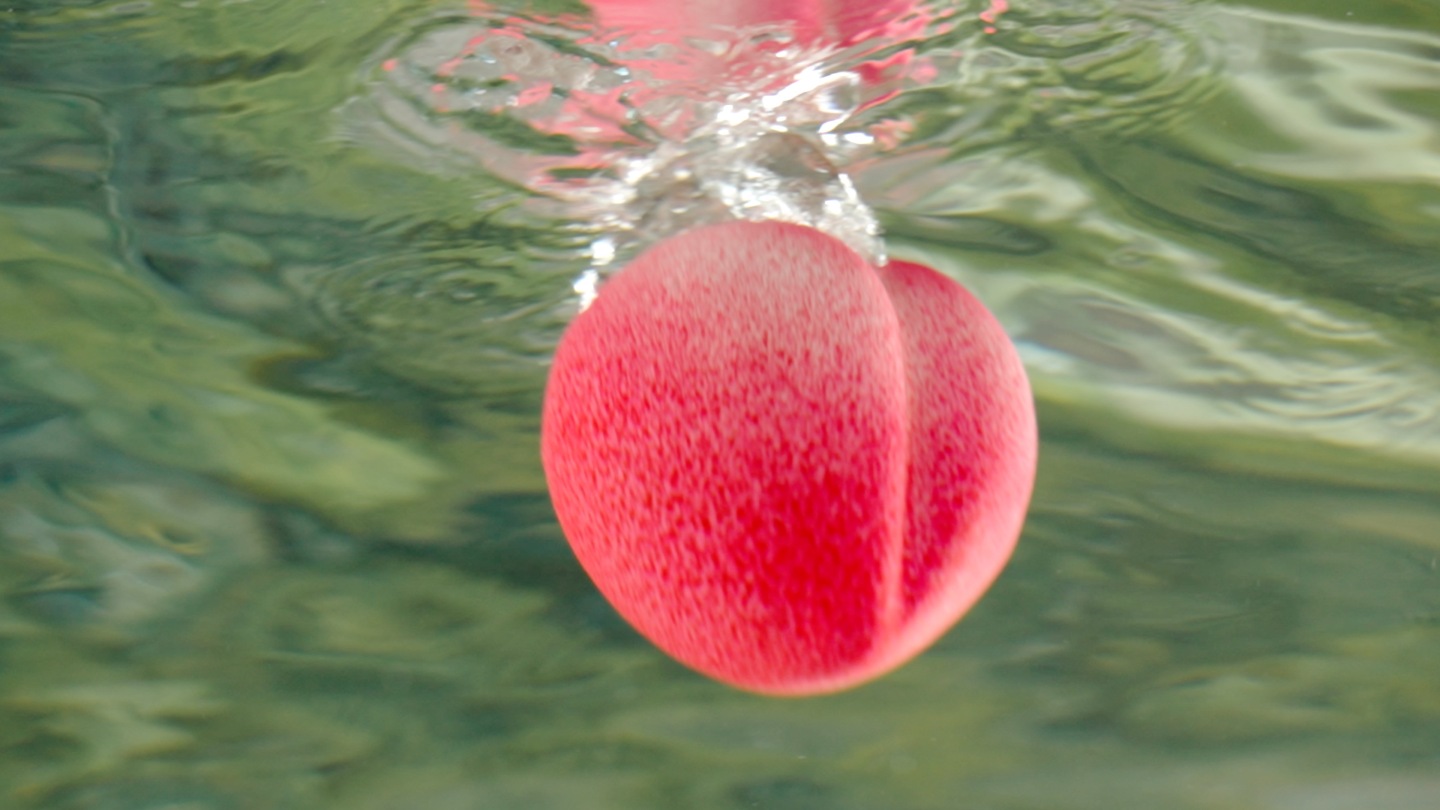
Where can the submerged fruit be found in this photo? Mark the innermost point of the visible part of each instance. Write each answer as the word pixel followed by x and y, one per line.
pixel 789 469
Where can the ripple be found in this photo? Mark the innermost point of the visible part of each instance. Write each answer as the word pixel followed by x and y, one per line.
pixel 107 554
pixel 458 318
pixel 1052 67
pixel 611 129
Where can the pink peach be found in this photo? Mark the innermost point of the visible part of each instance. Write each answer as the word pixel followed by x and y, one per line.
pixel 790 470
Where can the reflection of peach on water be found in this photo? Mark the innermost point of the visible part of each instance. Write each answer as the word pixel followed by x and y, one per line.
pixel 675 51
pixel 809 23
pixel 992 14
pixel 841 22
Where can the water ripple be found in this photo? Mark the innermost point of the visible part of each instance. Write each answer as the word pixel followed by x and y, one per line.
pixel 454 317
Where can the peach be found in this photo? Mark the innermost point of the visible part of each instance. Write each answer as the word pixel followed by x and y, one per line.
pixel 789 469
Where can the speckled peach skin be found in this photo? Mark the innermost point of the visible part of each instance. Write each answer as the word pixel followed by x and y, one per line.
pixel 790 470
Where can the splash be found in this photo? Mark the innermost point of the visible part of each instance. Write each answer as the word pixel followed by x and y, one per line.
pixel 633 132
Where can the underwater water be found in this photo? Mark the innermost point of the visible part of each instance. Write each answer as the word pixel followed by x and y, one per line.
pixel 273 341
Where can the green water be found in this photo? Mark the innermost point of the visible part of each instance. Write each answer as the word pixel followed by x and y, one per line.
pixel 275 535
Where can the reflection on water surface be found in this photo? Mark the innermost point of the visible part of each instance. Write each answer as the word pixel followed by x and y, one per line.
pixel 273 524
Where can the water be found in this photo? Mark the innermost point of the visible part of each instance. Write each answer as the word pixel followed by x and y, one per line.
pixel 275 533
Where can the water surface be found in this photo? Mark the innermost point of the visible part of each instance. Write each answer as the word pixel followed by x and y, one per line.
pixel 273 527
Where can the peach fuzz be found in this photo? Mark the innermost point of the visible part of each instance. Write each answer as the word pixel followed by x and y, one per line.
pixel 789 469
